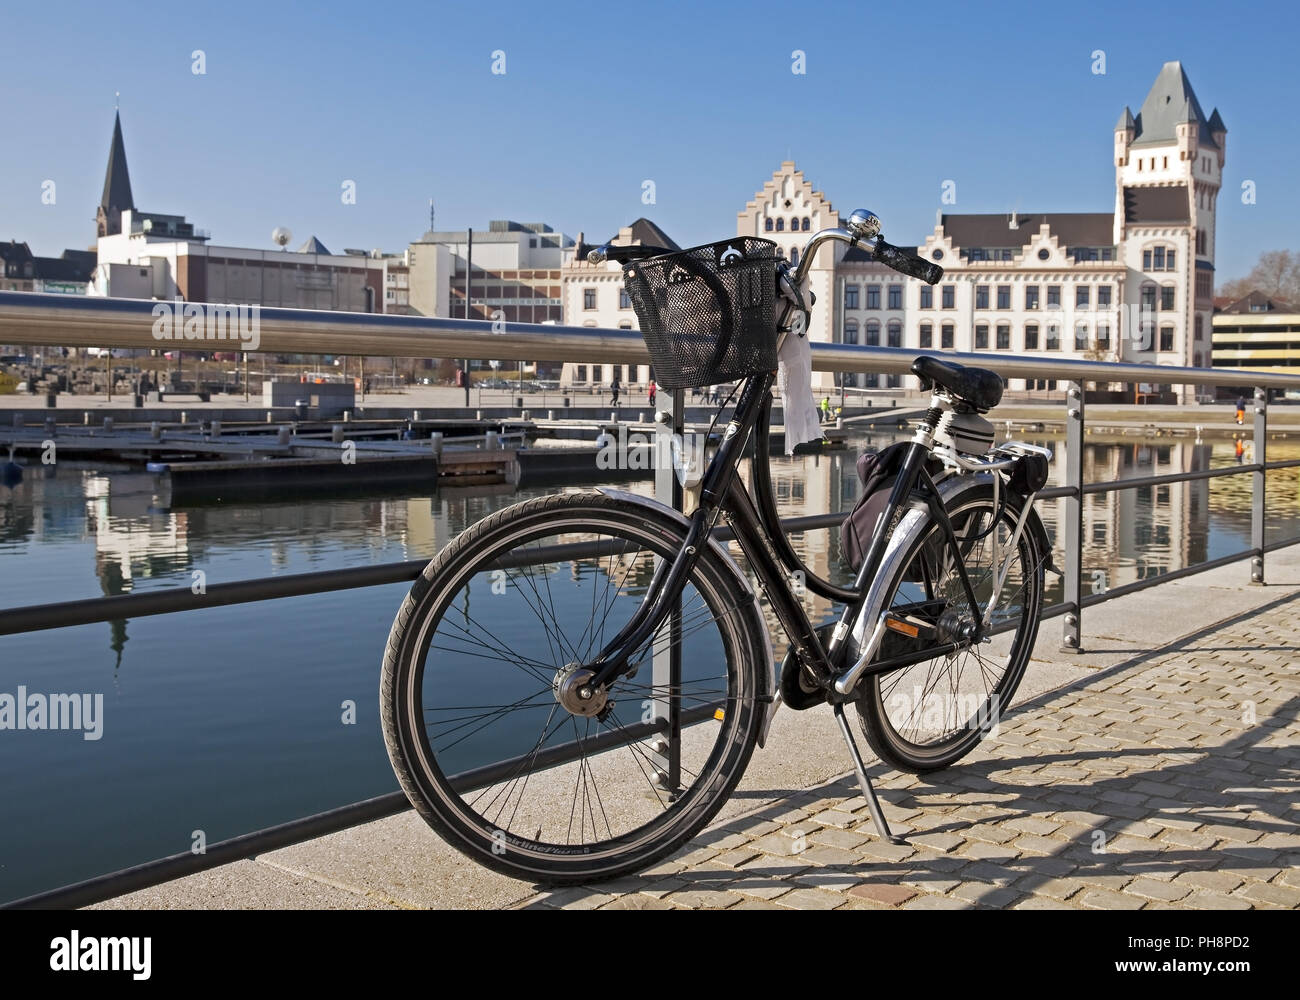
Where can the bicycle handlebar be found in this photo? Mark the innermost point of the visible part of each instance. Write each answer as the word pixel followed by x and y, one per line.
pixel 907 263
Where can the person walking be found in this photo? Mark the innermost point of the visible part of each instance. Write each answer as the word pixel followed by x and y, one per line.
pixel 1241 409
pixel 651 392
pixel 826 409
pixel 614 389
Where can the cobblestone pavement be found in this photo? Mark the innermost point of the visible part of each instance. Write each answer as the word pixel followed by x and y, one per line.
pixel 1169 780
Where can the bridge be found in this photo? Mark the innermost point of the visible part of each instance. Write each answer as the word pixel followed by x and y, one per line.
pixel 1150 760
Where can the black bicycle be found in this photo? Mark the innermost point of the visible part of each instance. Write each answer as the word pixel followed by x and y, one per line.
pixel 575 684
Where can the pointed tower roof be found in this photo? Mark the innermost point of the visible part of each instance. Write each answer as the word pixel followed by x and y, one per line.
pixel 117 181
pixel 1125 120
pixel 1216 123
pixel 1171 103
pixel 314 245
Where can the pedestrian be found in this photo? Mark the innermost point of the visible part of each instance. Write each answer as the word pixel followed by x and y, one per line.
pixel 1241 450
pixel 651 392
pixel 614 389
pixel 1241 409
pixel 826 409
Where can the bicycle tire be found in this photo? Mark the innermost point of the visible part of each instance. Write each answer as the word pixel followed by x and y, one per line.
pixel 408 682
pixel 966 717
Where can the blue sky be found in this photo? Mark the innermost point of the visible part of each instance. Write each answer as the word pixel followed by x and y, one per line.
pixel 596 98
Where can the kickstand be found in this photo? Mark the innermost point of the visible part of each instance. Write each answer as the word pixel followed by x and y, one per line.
pixel 869 793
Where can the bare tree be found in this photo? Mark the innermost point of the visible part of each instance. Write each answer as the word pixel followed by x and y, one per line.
pixel 1276 274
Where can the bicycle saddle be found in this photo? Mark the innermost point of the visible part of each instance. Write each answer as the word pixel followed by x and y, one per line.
pixel 977 386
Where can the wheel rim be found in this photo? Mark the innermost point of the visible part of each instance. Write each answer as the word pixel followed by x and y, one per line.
pixel 941 703
pixel 495 681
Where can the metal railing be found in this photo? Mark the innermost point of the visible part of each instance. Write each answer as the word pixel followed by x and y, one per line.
pixel 53 320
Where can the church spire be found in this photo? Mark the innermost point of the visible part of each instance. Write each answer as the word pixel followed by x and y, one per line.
pixel 117 185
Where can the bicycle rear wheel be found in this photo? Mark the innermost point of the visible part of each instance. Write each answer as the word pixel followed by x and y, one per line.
pixel 929 715
pixel 482 721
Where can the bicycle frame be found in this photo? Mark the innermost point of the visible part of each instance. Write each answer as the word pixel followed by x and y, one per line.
pixel 722 491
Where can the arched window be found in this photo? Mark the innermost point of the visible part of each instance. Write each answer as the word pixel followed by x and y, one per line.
pixel 767 225
pixel 850 331
pixel 794 256
pixel 780 225
pixel 1081 335
pixel 895 333
pixel 873 333
pixel 807 224
pixel 794 225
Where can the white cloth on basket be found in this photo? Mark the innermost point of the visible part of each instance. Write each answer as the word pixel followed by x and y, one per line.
pixel 794 376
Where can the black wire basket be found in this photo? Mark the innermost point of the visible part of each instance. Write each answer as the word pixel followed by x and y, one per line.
pixel 708 314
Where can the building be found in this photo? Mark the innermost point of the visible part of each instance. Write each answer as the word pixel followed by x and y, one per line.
pixel 515 274
pixel 1131 284
pixel 1257 332
pixel 594 296
pixel 22 271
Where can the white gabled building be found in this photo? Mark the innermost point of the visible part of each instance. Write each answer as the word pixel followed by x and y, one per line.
pixel 1131 284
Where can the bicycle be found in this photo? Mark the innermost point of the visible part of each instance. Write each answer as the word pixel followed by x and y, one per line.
pixel 575 684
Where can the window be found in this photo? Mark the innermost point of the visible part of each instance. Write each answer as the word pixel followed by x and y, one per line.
pixel 624 302
pixel 1052 342
pixel 949 296
pixel 794 256
pixel 895 333
pixel 625 324
pixel 1158 259
pixel 895 296
pixel 873 333
pixel 1081 335
pixel 1167 297
pixel 1200 241
pixel 807 224
pixel 1004 337
pixel 873 296
pixel 1146 260
pixel 927 297
pixel 1044 253
pixel 1053 296
pixel 794 225
pixel 1146 335
pixel 981 336
pixel 1148 298
pixel 1083 296
pixel 981 296
pixel 1169 260
pixel 589 298
pixel 850 331
pixel 945 337
pixel 581 375
pixel 1031 296
pixel 927 335
pixel 597 373
pixel 850 296
pixel 1103 336
pixel 767 225
pixel 1166 338
pixel 780 225
pixel 1103 295
pixel 1031 336
pixel 1196 320
pixel 1004 296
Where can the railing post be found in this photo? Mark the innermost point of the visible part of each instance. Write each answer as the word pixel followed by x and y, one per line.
pixel 1259 483
pixel 666 749
pixel 1074 422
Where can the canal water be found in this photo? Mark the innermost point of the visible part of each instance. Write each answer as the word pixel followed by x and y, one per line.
pixel 222 721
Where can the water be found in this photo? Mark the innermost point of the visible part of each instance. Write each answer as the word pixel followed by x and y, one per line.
pixel 226 720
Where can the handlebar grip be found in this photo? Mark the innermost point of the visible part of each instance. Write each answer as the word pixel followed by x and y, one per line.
pixel 907 263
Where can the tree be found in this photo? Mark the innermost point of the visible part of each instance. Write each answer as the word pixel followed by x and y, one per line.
pixel 1276 274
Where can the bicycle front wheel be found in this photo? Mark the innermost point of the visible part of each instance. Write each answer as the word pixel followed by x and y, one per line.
pixel 480 706
pixel 929 715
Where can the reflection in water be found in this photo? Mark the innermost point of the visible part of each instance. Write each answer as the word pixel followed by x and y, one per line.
pixel 47 523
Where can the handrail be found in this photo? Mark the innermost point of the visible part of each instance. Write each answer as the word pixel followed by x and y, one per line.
pixel 52 320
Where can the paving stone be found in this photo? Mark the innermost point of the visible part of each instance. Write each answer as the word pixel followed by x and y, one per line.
pixel 888 895
pixel 1104 899
pixel 937 903
pixel 704 899
pixel 942 842
pixel 1216 881
pixel 1278 895
pixel 1204 900
pixel 811 899
pixel 1149 888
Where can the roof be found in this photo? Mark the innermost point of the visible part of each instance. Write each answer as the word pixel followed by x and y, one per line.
pixel 14 251
pixel 1071 229
pixel 1152 205
pixel 646 233
pixel 1125 120
pixel 314 245
pixel 1170 103
pixel 1257 302
pixel 63 269
pixel 117 180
